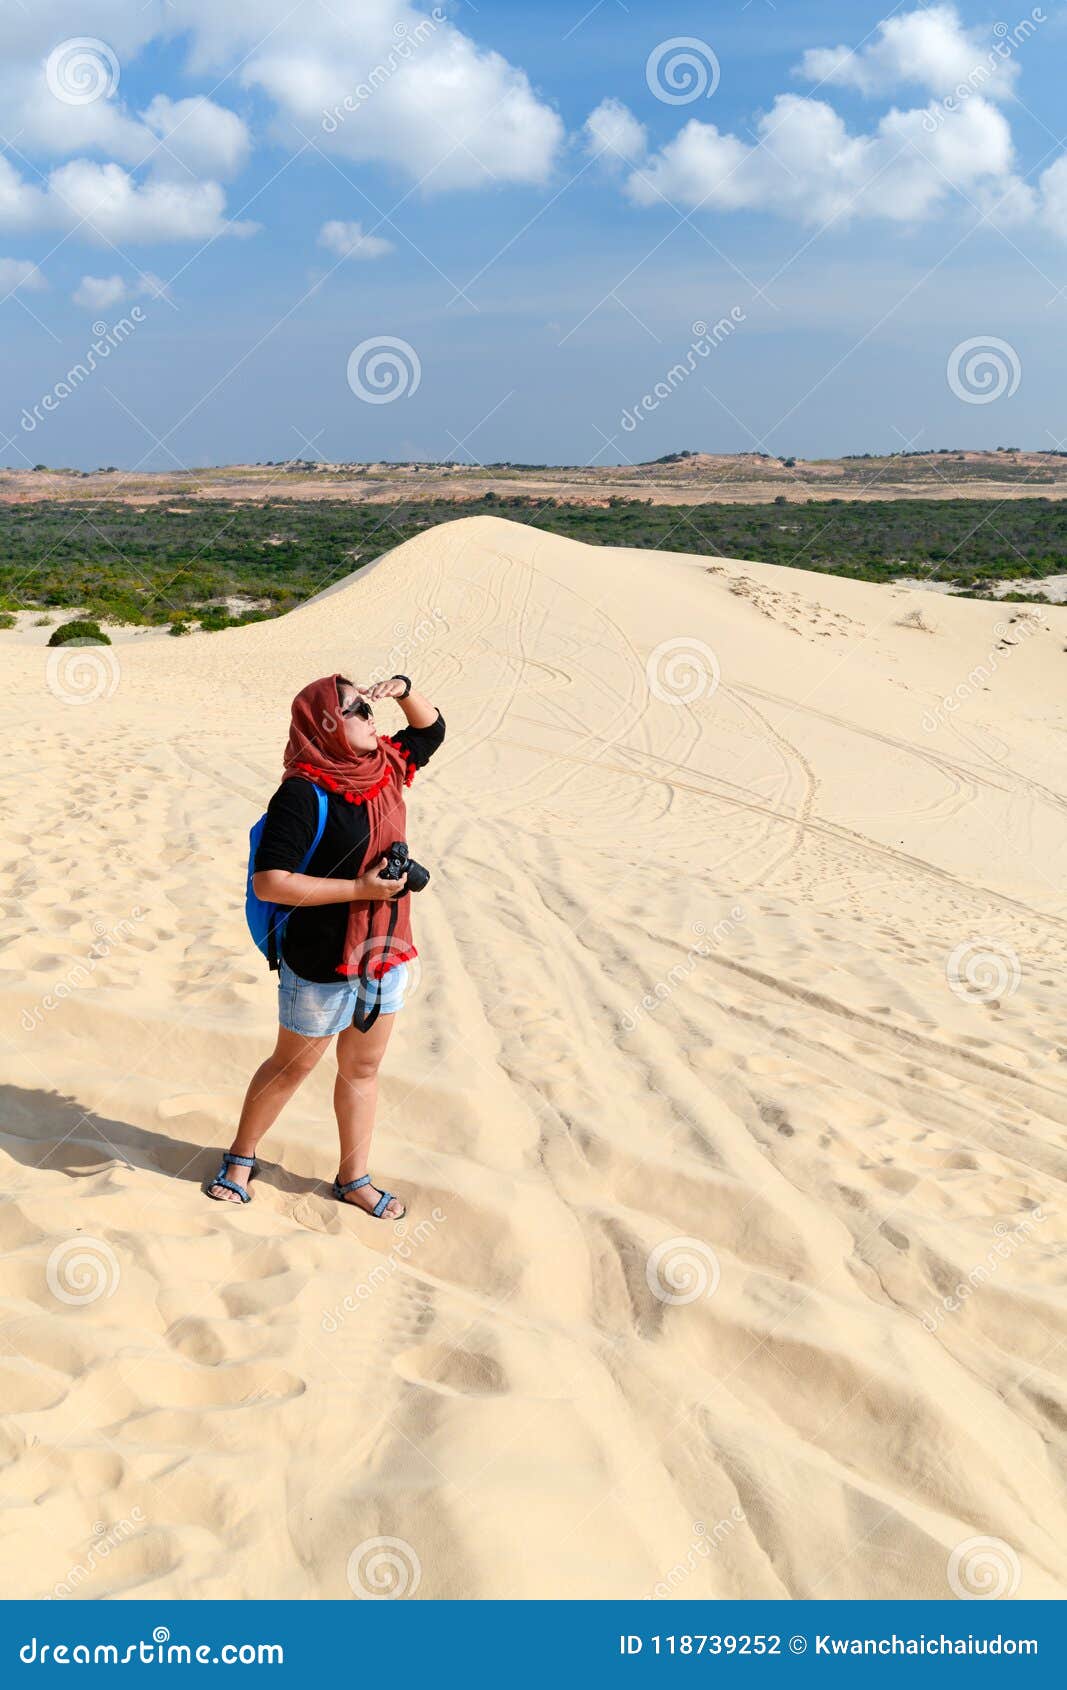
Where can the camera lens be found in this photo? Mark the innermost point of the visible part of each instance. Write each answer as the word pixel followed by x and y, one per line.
pixel 418 877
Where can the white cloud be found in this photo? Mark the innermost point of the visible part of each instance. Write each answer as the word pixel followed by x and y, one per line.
pixel 1053 187
pixel 367 80
pixel 348 240
pixel 153 286
pixel 192 136
pixel 97 293
pixel 19 273
pixel 116 208
pixel 385 82
pixel 19 201
pixel 614 135
pixel 104 202
pixel 929 49
pixel 200 137
pixel 49 128
pixel 806 164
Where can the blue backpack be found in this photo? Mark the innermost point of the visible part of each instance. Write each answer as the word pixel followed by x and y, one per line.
pixel 266 922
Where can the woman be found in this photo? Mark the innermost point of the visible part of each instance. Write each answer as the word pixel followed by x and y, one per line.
pixel 346 945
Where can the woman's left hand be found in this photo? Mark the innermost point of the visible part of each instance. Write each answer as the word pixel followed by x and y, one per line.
pixel 420 713
pixel 382 689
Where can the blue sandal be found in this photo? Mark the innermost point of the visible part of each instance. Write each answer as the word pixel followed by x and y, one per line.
pixel 341 1191
pixel 230 1184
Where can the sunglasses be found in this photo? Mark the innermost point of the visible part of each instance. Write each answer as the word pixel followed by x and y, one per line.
pixel 360 708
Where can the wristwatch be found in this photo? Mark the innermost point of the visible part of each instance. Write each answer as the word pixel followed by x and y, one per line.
pixel 407 684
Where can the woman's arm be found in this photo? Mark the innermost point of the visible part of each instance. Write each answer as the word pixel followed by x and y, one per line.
pixel 416 706
pixel 279 886
pixel 286 838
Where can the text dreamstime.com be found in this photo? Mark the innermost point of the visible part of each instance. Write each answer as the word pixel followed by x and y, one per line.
pixel 1007 40
pixel 402 1250
pixel 158 1650
pixel 106 342
pixel 703 1543
pixel 406 41
pixel 81 972
pixel 106 1539
pixel 702 346
pixel 679 974
pixel 1010 635
pixel 1009 1241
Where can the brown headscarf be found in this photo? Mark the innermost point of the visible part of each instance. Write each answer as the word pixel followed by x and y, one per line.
pixel 378 936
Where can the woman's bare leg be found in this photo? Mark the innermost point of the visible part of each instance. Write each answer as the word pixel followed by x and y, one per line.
pixel 355 1098
pixel 269 1090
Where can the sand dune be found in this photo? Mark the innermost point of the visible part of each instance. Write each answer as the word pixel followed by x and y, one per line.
pixel 730 1107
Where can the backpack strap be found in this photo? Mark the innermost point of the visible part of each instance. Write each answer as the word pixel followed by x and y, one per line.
pixel 320 828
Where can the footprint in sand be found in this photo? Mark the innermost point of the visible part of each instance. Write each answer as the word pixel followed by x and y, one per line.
pixel 219 1105
pixel 452 1373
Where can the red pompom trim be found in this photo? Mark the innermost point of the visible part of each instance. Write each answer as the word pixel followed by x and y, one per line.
pixel 409 773
pixel 378 968
pixel 321 778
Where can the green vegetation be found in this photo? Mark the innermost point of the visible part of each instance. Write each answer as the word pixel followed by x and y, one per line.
pixel 220 564
pixel 79 632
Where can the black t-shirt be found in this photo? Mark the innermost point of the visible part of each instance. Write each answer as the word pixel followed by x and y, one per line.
pixel 313 940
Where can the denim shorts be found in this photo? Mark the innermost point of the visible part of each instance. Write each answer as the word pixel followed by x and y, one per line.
pixel 317 1008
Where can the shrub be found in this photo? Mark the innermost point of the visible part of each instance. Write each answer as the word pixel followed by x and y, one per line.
pixel 178 628
pixel 7 620
pixel 85 633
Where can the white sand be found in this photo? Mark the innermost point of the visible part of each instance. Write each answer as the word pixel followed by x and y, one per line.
pixel 684 977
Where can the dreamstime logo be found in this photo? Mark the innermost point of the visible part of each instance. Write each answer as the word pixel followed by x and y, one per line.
pixel 80 973
pixel 682 670
pixel 1009 1240
pixel 383 1569
pixel 383 1270
pixel 376 954
pixel 702 346
pixel 983 369
pixel 682 1270
pixel 1009 635
pixel 82 1270
pixel 105 1540
pixel 409 637
pixel 82 70
pixel 983 1568
pixel 974 83
pixel 107 339
pixel 679 974
pixel 81 672
pixel 682 70
pixel 701 1545
pixel 405 41
pixel 384 368
pixel 983 971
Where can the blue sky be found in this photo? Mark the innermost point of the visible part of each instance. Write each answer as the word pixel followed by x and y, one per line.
pixel 856 218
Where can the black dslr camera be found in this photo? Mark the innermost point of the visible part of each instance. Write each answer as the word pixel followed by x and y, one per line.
pixel 400 864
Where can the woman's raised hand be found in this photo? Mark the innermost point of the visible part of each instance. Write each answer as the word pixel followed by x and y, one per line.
pixel 382 689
